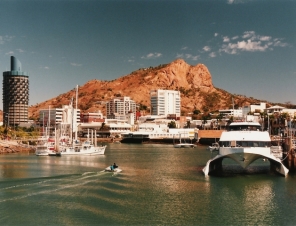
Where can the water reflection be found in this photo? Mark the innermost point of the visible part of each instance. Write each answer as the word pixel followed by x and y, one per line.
pixel 159 185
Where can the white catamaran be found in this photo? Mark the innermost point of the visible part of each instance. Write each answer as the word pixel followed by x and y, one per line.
pixel 244 142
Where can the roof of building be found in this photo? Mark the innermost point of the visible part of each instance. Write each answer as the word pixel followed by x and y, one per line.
pixel 275 107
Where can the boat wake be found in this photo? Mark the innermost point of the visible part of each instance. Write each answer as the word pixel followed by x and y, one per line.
pixel 59 185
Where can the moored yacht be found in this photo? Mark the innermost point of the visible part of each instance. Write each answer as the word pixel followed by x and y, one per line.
pixel 86 148
pixel 45 147
pixel 183 144
pixel 244 142
pixel 159 133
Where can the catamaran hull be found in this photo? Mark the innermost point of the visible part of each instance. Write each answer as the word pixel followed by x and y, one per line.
pixel 244 160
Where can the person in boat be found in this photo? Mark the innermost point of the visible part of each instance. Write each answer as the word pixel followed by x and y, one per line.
pixel 111 167
pixel 115 166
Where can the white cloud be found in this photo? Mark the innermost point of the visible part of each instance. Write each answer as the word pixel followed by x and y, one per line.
pixel 184 48
pixel 212 54
pixel 152 56
pixel 9 53
pixel 251 42
pixel 277 42
pixel 20 50
pixel 265 38
pixel 5 38
pixel 206 48
pixel 180 55
pixel 216 34
pixel 76 65
pixel 44 67
pixel 131 59
pixel 187 56
pixel 226 39
pixel 249 34
pixel 192 57
pixel 237 1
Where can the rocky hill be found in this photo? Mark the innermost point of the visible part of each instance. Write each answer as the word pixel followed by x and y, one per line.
pixel 194 83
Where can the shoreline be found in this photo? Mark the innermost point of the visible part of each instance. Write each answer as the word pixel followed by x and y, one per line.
pixel 13 146
pixel 10 147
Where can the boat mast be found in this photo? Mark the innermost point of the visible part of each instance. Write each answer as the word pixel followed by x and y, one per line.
pixel 48 122
pixel 72 113
pixel 232 108
pixel 76 112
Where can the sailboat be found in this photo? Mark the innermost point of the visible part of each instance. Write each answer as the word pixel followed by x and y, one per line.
pixel 46 144
pixel 88 147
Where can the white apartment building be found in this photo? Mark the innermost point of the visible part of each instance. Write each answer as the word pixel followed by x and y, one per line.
pixel 165 102
pixel 237 113
pixel 54 116
pixel 254 107
pixel 278 109
pixel 120 107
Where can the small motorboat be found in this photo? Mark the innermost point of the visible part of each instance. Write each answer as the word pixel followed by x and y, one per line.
pixel 116 170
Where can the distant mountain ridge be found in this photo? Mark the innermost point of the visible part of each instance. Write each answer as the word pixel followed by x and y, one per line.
pixel 194 83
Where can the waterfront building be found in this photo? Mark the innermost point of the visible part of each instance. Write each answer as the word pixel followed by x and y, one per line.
pixel 253 108
pixel 109 128
pixel 275 109
pixel 146 118
pixel 120 107
pixel 15 94
pixel 92 117
pixel 281 110
pixel 237 113
pixel 165 102
pixel 290 112
pixel 52 118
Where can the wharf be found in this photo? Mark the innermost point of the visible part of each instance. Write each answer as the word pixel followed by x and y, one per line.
pixel 208 137
pixel 290 153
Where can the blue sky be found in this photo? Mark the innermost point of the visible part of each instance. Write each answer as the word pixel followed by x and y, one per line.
pixel 247 45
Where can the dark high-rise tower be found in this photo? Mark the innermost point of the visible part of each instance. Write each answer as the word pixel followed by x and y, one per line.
pixel 15 94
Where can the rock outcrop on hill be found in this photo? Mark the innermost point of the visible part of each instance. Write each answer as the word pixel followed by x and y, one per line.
pixel 194 83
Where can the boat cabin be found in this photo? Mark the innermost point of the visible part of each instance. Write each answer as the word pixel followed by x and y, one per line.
pixel 244 127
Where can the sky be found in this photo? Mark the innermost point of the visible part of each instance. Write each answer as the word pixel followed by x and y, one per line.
pixel 247 45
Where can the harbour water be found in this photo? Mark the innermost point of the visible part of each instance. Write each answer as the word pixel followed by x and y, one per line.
pixel 159 185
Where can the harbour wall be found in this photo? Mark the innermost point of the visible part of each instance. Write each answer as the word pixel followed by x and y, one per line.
pixel 290 154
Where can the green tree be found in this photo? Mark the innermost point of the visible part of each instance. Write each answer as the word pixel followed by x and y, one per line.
pixel 196 112
pixel 172 124
pixel 188 124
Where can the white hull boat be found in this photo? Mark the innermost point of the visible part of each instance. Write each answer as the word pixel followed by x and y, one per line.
pixel 184 145
pixel 45 148
pixel 116 170
pixel 85 149
pixel 244 143
pixel 40 151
